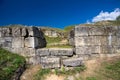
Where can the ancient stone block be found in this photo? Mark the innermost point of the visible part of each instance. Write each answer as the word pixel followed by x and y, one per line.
pixel 17 42
pixel 35 60
pixel 27 52
pixel 42 52
pixel 81 31
pixel 110 30
pixel 5 32
pixel 24 32
pixel 107 49
pixel 87 49
pixel 73 62
pixel 96 31
pixel 33 32
pixel 16 32
pixel 117 48
pixel 61 51
pixel 30 42
pixel 50 62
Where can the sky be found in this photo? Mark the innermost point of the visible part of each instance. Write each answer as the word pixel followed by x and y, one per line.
pixel 57 13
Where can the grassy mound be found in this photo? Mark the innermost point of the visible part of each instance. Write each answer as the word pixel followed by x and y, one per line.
pixel 9 63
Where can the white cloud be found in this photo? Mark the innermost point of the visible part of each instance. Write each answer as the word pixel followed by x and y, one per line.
pixel 107 15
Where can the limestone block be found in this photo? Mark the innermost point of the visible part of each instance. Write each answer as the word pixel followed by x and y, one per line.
pixel 71 41
pixel 42 52
pixel 50 62
pixel 17 42
pixel 8 42
pixel 28 52
pixel 35 60
pixel 85 56
pixel 16 32
pixel 117 48
pixel 33 31
pixel 96 31
pixel 24 32
pixel 61 51
pixel 81 31
pixel 87 49
pixel 73 62
pixel 111 30
pixel 30 42
pixel 107 49
pixel 17 50
pixel 5 32
pixel 118 41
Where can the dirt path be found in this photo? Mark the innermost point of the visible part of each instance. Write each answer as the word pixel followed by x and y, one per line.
pixel 30 72
pixel 54 77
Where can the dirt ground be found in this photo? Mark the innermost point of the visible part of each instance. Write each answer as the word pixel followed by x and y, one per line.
pixel 30 72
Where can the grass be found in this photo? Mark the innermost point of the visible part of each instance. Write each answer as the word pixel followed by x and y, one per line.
pixel 73 71
pixel 109 70
pixel 9 63
pixel 52 39
pixel 59 46
pixel 41 74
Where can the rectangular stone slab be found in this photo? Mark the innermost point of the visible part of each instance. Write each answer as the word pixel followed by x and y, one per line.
pixel 81 31
pixel 87 49
pixel 61 51
pixel 73 62
pixel 17 42
pixel 42 52
pixel 50 62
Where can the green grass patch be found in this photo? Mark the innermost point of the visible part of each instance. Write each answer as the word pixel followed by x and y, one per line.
pixel 52 39
pixel 109 70
pixel 41 74
pixel 9 63
pixel 59 46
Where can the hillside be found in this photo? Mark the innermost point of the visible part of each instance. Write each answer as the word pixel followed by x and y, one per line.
pixel 9 64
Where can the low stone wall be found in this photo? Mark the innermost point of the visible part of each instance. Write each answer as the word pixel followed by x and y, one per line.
pixel 55 58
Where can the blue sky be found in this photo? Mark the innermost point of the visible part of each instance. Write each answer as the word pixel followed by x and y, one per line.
pixel 54 13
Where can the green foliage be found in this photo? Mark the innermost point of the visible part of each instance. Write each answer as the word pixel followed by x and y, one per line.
pixel 9 63
pixel 91 78
pixel 112 70
pixel 41 74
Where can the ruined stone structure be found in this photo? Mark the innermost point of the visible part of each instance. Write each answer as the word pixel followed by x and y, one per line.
pixel 96 40
pixel 88 42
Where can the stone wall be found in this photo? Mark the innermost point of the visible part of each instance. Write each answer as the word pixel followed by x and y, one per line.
pixel 96 40
pixel 22 40
pixel 88 42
